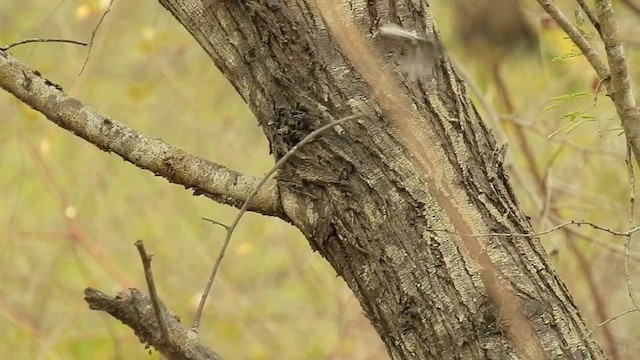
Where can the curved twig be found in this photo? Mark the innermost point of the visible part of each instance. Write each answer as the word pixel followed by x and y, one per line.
pixel 611 319
pixel 314 134
pixel 93 35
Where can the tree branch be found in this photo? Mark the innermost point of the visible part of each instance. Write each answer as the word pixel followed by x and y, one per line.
pixel 589 51
pixel 620 85
pixel 136 311
pixel 616 78
pixel 177 166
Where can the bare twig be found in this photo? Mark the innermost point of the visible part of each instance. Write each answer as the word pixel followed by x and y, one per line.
pixel 592 18
pixel 216 223
pixel 618 250
pixel 206 178
pixel 93 35
pixel 555 228
pixel 627 244
pixel 611 319
pixel 41 40
pixel 153 293
pixel 314 134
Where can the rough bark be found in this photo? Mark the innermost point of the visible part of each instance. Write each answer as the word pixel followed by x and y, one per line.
pixel 398 204
pixel 136 311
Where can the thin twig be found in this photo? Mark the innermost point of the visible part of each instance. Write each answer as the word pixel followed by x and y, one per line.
pixel 589 13
pixel 245 206
pixel 153 293
pixel 41 40
pixel 611 319
pixel 576 36
pixel 557 227
pixel 627 243
pixel 216 222
pixel 93 35
pixel 618 250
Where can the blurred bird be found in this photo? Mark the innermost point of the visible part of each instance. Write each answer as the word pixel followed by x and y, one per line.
pixel 418 52
pixel 496 26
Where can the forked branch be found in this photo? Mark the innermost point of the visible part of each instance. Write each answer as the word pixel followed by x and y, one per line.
pixel 135 310
pixel 615 76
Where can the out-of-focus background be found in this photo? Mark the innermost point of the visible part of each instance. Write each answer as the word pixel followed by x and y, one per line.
pixel 70 213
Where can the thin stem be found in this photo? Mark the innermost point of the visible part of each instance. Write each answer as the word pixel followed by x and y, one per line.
pixel 153 293
pixel 245 206
pixel 611 319
pixel 41 40
pixel 627 244
pixel 93 35
pixel 592 18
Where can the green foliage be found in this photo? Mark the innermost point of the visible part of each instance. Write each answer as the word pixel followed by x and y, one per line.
pixel 574 53
pixel 563 99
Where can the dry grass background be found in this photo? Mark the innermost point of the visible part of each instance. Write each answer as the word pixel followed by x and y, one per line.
pixel 71 213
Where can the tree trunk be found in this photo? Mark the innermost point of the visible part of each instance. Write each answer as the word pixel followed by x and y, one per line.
pixel 411 205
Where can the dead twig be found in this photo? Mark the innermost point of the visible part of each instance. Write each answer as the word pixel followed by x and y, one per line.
pixel 93 35
pixel 153 293
pixel 611 319
pixel 555 228
pixel 314 134
pixel 41 40
pixel 627 243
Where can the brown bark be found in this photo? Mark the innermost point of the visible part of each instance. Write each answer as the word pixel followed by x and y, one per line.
pixel 396 204
pixel 136 311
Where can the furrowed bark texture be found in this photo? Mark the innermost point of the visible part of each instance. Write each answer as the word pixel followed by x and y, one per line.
pixel 393 202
